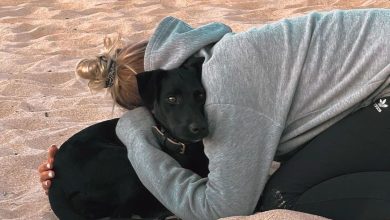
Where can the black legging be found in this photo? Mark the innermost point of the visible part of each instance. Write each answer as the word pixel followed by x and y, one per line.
pixel 343 173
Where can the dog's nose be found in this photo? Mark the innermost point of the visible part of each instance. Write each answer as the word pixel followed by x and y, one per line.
pixel 195 128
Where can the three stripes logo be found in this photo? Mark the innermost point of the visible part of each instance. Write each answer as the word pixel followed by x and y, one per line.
pixel 380 105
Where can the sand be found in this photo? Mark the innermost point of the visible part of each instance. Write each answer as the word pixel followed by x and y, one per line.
pixel 41 101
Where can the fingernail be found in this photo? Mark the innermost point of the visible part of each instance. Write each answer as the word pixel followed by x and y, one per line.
pixel 46 183
pixel 51 174
pixel 48 166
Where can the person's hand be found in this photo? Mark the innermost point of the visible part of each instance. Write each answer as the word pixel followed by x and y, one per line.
pixel 45 169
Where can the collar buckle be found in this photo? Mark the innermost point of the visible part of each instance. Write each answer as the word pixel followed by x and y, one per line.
pixel 169 143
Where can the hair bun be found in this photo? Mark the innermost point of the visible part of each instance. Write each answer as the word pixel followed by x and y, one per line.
pixel 129 60
pixel 94 71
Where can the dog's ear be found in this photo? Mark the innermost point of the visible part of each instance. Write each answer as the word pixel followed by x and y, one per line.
pixel 194 63
pixel 148 86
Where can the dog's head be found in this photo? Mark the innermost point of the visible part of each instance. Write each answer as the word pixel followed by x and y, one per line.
pixel 176 99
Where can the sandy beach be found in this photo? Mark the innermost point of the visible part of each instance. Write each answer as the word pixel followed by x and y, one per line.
pixel 41 100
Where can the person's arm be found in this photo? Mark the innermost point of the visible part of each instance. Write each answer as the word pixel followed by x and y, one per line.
pixel 240 148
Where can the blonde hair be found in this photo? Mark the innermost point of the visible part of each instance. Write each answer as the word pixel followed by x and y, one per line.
pixel 129 61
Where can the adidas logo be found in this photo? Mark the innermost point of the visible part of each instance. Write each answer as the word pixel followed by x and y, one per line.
pixel 381 104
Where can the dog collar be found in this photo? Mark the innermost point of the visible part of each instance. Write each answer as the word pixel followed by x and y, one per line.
pixel 168 143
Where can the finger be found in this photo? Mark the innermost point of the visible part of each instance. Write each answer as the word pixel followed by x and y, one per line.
pixel 46 175
pixel 46 185
pixel 45 166
pixel 52 151
pixel 42 167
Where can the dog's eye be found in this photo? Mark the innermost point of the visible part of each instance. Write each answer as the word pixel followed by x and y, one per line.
pixel 172 100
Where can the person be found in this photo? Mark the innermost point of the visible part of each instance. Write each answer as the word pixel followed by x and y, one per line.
pixel 310 91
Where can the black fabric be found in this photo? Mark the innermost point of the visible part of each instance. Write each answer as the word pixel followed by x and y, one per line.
pixel 364 195
pixel 97 159
pixel 343 173
pixel 103 131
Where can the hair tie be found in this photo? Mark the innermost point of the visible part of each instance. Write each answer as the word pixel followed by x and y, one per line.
pixel 111 66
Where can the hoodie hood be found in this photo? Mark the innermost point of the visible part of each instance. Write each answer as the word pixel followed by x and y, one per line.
pixel 174 41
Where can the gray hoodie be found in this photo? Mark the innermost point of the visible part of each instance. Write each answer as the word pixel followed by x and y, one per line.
pixel 269 90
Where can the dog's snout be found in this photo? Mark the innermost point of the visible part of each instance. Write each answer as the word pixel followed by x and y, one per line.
pixel 196 128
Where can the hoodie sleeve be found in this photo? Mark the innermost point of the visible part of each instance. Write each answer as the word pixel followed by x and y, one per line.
pixel 238 166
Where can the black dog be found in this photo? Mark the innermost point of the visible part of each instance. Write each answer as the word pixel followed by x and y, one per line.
pixel 94 178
